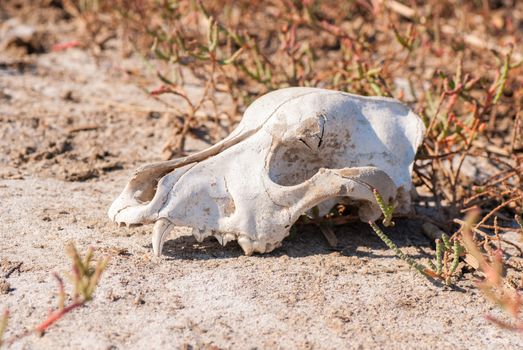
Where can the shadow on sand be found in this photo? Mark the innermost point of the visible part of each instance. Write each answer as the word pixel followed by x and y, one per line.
pixel 307 241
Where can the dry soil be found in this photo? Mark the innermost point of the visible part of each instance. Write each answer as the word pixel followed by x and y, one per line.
pixel 73 127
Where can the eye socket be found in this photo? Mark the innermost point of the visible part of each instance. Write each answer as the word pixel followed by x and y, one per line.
pixel 294 163
pixel 298 157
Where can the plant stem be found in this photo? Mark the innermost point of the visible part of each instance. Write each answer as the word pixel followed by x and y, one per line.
pixel 420 268
pixel 56 315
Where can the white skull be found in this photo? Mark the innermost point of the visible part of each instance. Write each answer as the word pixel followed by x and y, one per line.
pixel 295 149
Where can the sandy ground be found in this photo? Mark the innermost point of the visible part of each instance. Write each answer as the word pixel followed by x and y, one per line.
pixel 73 128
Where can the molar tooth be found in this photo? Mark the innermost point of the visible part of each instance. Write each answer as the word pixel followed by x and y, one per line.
pixel 228 237
pixel 259 246
pixel 246 245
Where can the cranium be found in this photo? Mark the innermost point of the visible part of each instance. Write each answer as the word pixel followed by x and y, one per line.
pixel 294 149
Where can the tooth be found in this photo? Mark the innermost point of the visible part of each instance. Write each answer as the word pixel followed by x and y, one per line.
pixel 259 246
pixel 228 237
pixel 246 245
pixel 161 228
pixel 219 239
pixel 198 234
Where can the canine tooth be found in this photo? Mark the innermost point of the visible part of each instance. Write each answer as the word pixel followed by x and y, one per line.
pixel 246 245
pixel 161 228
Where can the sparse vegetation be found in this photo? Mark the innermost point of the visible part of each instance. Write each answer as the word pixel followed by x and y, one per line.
pixel 494 285
pixel 84 277
pixel 447 253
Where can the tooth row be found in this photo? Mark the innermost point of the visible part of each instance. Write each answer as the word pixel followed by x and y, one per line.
pixel 248 245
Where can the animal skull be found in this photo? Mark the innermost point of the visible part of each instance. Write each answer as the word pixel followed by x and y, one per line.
pixel 295 149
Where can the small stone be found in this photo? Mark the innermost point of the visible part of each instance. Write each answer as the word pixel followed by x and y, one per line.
pixel 139 300
pixel 5 286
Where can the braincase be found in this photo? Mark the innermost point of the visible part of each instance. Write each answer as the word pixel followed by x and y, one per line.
pixel 336 130
pixel 263 110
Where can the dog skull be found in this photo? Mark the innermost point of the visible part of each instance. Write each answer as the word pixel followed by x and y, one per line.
pixel 295 149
